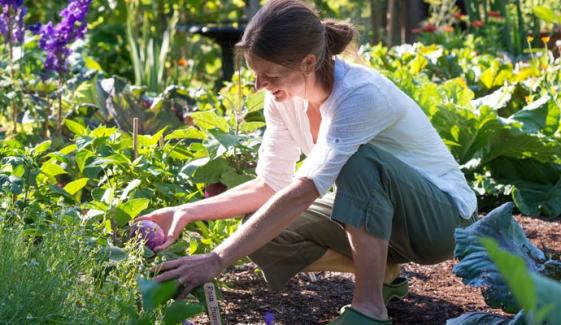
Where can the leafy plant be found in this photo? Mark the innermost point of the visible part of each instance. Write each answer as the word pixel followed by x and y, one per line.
pixel 499 121
pixel 514 275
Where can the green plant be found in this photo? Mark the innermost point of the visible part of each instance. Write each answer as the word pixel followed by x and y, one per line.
pixel 54 277
pixel 499 120
pixel 149 53
pixel 514 275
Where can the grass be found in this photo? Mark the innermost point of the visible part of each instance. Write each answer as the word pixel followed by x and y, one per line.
pixel 57 278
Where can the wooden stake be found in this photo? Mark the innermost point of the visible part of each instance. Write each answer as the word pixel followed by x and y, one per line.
pixel 135 137
pixel 212 304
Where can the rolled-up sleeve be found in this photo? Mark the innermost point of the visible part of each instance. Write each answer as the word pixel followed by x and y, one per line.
pixel 355 120
pixel 279 152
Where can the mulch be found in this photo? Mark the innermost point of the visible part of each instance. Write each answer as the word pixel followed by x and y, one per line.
pixel 436 294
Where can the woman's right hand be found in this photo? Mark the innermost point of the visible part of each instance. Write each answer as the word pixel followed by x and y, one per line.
pixel 172 220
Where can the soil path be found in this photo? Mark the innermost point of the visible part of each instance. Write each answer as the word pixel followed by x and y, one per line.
pixel 436 293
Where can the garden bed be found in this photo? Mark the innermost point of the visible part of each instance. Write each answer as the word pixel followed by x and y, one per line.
pixel 436 293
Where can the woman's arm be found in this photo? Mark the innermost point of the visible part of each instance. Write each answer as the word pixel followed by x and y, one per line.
pixel 277 213
pixel 240 200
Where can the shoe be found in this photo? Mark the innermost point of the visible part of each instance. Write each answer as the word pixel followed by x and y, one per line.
pixel 398 289
pixel 352 316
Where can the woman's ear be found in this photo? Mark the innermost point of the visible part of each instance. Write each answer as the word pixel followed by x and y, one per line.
pixel 309 63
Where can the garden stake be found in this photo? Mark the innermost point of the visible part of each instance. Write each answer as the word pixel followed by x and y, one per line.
pixel 212 304
pixel 135 137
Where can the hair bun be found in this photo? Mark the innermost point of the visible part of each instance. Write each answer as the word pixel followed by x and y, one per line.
pixel 338 35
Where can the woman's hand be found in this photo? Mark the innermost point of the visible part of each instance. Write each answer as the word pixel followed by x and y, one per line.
pixel 172 220
pixel 190 271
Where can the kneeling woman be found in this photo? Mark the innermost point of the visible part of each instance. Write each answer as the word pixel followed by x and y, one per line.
pixel 399 193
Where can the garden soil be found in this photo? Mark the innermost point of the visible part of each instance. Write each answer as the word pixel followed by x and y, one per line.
pixel 436 294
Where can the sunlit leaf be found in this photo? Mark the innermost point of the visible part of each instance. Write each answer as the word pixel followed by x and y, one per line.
pixel 75 186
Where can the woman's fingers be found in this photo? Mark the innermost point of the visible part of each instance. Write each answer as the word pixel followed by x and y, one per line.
pixel 167 265
pixel 188 287
pixel 165 245
pixel 144 218
pixel 171 274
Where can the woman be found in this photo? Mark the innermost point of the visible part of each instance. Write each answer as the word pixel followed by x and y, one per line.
pixel 399 192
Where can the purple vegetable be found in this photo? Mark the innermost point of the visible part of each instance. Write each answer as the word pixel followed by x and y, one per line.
pixel 213 189
pixel 150 232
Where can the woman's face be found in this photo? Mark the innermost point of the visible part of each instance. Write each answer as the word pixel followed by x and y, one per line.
pixel 282 82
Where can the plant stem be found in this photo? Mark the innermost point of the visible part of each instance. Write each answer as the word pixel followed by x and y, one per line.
pixel 521 29
pixel 59 113
pixel 11 63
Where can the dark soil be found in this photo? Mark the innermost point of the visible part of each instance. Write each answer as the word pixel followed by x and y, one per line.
pixel 436 293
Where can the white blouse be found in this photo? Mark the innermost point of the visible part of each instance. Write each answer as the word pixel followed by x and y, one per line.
pixel 364 107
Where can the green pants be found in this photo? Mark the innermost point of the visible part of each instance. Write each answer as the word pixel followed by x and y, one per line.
pixel 376 192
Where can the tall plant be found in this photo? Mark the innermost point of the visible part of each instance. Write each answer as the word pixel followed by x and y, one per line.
pixel 149 52
pixel 55 41
pixel 12 29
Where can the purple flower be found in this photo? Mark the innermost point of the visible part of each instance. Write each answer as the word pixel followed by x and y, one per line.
pixel 13 3
pixel 269 318
pixel 12 27
pixel 55 39
pixel 35 29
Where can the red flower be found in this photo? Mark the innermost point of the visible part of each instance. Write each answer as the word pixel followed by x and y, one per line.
pixel 457 15
pixel 495 14
pixel 430 28
pixel 447 29
pixel 416 31
pixel 477 24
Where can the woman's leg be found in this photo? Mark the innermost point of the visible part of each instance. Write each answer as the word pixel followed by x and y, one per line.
pixel 332 261
pixel 369 256
pixel 336 262
pixel 390 212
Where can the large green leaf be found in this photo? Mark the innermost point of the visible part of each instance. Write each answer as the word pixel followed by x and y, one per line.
pixel 549 303
pixel 209 120
pixel 154 293
pixel 189 133
pixel 497 99
pixel 52 169
pixel 133 207
pixel 41 148
pixel 477 269
pixel 178 311
pixel 76 127
pixel 513 270
pixel 537 185
pixel 75 186
pixel 120 103
pixel 212 171
pixel 546 14
pixel 541 115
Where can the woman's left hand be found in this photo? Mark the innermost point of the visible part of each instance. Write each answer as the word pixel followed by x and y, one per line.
pixel 190 271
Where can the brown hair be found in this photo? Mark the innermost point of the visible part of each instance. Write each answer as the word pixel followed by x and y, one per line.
pixel 285 31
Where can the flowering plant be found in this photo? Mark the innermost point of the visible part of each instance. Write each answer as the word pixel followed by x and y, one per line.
pixel 55 39
pixel 11 20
